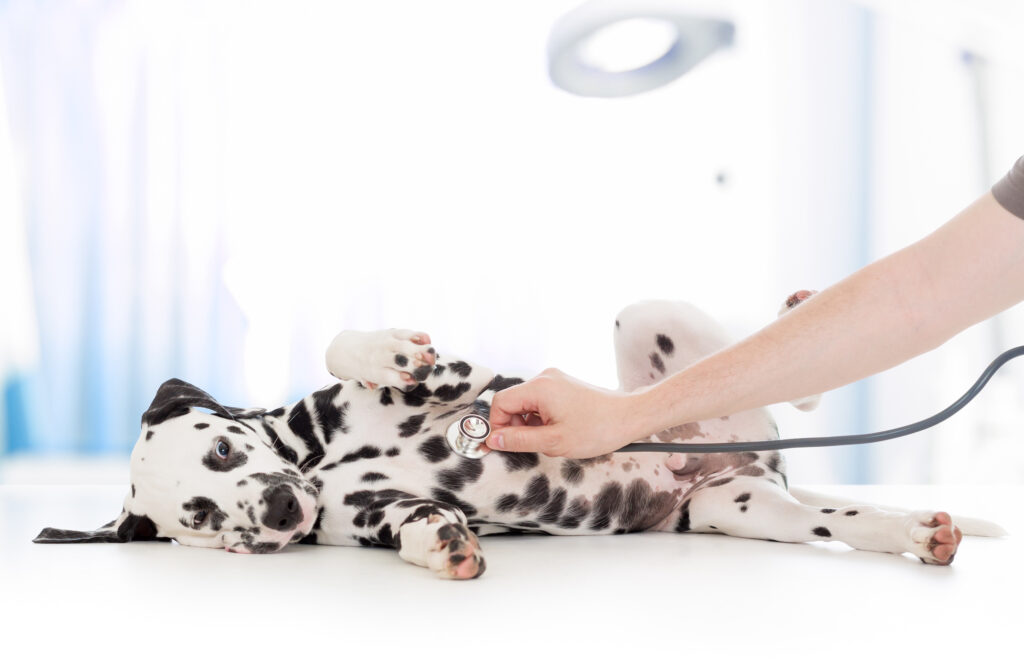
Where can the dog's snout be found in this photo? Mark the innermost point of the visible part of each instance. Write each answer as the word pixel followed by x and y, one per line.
pixel 283 511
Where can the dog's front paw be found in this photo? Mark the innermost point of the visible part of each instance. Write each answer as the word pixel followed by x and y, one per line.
pixel 456 551
pixel 934 538
pixel 390 357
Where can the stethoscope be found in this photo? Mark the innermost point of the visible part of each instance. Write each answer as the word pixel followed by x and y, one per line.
pixel 467 435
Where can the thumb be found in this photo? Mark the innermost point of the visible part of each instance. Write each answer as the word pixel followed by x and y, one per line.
pixel 525 439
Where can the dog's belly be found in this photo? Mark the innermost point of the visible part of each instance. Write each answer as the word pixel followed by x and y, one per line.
pixel 619 492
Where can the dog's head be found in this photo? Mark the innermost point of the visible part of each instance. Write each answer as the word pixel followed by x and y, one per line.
pixel 205 479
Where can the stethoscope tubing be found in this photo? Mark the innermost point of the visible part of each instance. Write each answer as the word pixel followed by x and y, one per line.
pixel 823 441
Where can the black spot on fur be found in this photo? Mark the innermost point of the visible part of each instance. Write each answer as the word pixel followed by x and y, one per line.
pixel 467 471
pixel 411 425
pixel 745 497
pixel 373 476
pixel 616 324
pixel 500 383
pixel 401 360
pixel 828 510
pixel 417 396
pixel 421 373
pixel 450 392
pixel 665 344
pixel 392 451
pixel 752 470
pixel 775 463
pixel 462 369
pixel 235 429
pixel 607 504
pixel 435 449
pixel 721 481
pixel 657 363
pixel 506 503
pixel 519 461
pixel 822 532
pixel 301 424
pixel 384 535
pixel 364 453
pixel 279 446
pixel 451 499
pixel 851 513
pixel 683 525
pixel 149 435
pixel 330 417
pixel 554 507
pixel 572 471
pixel 536 495
pixel 577 511
pixel 385 397
pixel 201 425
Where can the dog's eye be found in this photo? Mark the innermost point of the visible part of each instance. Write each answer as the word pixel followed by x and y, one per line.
pixel 197 520
pixel 223 450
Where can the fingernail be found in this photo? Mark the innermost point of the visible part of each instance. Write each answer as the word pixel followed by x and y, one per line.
pixel 496 441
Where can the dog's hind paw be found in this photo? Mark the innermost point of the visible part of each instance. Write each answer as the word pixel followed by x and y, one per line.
pixel 934 537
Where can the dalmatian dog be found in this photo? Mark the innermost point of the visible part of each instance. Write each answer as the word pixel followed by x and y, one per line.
pixel 365 462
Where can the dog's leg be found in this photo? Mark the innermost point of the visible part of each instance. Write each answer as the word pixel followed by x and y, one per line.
pixel 654 339
pixel 404 359
pixel 389 357
pixel 427 532
pixel 752 507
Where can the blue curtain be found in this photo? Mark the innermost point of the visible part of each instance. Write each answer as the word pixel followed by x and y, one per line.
pixel 126 286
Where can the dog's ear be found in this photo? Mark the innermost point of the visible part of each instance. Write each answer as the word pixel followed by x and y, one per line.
pixel 175 397
pixel 126 527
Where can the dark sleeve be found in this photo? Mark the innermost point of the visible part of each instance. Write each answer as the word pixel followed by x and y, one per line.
pixel 1009 191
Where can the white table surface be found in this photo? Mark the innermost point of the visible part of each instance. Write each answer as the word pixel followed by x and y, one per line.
pixel 618 602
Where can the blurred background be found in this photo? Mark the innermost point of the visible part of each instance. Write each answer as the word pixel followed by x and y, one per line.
pixel 211 190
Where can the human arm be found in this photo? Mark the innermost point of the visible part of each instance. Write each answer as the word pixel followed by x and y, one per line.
pixel 894 309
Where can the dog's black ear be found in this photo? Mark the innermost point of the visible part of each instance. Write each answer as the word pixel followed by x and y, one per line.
pixel 126 527
pixel 175 397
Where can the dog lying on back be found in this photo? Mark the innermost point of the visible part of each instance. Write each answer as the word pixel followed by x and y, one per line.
pixel 365 462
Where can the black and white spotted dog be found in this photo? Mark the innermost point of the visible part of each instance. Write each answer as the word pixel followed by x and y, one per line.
pixel 365 461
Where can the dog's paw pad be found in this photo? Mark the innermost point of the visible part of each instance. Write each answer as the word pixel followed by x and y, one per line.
pixel 456 554
pixel 935 538
pixel 795 299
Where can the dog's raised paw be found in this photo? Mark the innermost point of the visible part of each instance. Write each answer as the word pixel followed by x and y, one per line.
pixel 410 355
pixel 934 537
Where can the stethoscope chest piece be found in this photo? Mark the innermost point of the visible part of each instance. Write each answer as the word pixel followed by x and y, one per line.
pixel 466 436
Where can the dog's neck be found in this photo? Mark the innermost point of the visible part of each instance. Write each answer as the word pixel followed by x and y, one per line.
pixel 301 432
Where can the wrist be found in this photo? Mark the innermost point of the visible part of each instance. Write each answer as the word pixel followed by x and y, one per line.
pixel 637 410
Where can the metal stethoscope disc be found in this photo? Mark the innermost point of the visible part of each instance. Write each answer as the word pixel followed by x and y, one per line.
pixel 466 436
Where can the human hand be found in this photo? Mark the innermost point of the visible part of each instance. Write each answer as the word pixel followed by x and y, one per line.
pixel 559 416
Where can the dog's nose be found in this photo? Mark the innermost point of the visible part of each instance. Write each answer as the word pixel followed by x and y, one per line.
pixel 283 510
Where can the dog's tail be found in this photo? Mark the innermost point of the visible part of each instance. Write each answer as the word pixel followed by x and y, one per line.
pixel 975 527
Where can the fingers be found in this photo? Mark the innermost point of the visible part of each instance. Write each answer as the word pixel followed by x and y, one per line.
pixel 521 439
pixel 513 401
